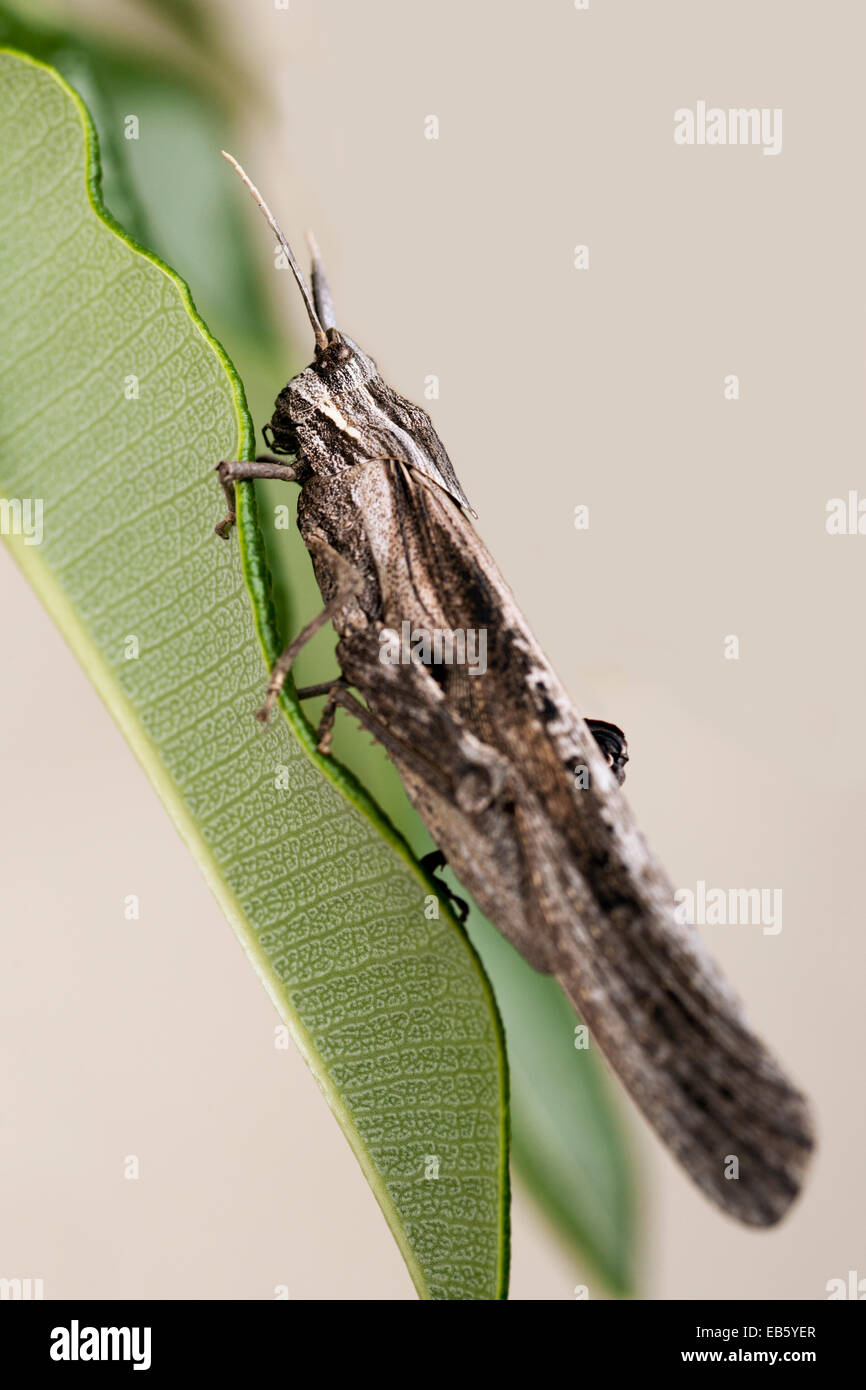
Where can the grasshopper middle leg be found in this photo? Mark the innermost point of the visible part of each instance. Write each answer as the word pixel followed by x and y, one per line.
pixel 348 583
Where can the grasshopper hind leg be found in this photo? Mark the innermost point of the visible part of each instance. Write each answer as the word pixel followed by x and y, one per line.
pixel 434 861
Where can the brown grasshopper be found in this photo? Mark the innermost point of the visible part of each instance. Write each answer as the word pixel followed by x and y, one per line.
pixel 518 791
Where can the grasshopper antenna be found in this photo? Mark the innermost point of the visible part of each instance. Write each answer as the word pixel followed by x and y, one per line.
pixel 321 335
pixel 321 288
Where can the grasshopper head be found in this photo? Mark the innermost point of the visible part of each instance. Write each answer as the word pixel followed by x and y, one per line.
pixel 338 413
pixel 339 364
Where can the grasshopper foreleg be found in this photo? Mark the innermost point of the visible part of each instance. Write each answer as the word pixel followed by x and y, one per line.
pixel 239 471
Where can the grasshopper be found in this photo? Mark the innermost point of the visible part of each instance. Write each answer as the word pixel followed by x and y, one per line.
pixel 521 794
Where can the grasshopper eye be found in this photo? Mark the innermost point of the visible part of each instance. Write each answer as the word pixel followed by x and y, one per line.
pixel 280 437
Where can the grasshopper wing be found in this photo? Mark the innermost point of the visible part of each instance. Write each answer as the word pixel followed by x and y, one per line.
pixel 561 866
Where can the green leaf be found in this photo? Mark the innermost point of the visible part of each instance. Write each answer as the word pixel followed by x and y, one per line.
pixel 391 1010
pixel 567 1138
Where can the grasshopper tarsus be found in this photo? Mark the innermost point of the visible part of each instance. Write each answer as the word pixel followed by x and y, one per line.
pixel 325 731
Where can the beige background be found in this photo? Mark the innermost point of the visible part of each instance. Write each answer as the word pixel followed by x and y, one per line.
pixel 558 387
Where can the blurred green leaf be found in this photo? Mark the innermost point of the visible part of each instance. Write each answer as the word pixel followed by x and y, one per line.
pixel 192 19
pixel 168 186
pixel 567 1141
